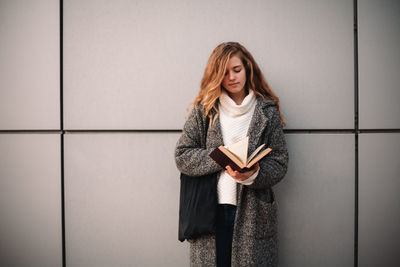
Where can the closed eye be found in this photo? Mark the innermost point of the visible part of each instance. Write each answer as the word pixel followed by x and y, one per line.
pixel 235 70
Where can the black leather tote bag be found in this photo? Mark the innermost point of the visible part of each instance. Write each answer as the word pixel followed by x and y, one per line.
pixel 197 206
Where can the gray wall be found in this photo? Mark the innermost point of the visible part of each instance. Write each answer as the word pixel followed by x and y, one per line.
pixel 88 169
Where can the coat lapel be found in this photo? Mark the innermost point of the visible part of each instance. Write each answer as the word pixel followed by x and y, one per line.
pixel 257 125
pixel 215 135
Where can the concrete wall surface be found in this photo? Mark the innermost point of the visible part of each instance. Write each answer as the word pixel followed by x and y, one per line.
pixel 93 98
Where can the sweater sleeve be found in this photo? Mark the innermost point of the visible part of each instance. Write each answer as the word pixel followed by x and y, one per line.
pixel 191 155
pixel 273 167
pixel 251 179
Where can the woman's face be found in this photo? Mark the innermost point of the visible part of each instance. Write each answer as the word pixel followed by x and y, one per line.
pixel 235 77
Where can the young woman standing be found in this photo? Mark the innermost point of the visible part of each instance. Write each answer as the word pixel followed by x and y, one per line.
pixel 238 102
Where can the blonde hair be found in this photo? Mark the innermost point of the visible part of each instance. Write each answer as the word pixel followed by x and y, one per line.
pixel 211 83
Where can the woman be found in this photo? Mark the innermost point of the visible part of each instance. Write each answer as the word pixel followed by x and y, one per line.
pixel 237 101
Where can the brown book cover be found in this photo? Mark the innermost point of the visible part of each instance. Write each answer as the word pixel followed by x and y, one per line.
pixel 224 156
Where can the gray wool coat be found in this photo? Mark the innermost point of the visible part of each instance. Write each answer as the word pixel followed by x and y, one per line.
pixel 255 232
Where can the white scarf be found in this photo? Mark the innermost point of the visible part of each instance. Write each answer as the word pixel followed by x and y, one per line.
pixel 229 107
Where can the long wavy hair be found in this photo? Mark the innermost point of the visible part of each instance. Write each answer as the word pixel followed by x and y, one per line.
pixel 211 83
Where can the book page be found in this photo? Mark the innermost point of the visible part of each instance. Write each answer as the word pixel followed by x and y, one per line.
pixel 258 157
pixel 255 153
pixel 240 149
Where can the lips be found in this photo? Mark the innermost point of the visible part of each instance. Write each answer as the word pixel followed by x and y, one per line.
pixel 233 84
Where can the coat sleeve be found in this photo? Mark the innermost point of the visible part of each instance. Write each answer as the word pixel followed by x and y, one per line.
pixel 191 155
pixel 273 167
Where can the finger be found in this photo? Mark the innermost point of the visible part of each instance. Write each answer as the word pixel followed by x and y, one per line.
pixel 228 168
pixel 231 172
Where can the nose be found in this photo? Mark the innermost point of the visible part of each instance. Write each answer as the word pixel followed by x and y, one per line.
pixel 231 75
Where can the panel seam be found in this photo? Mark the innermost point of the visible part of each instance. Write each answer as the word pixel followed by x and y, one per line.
pixel 356 132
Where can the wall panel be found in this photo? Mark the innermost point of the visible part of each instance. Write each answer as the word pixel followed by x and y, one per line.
pixel 29 65
pixel 379 64
pixel 316 202
pixel 122 197
pixel 124 59
pixel 30 200
pixel 379 199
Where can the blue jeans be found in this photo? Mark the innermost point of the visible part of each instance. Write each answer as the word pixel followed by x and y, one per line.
pixel 224 234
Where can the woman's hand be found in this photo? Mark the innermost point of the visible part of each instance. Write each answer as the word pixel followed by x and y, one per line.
pixel 241 176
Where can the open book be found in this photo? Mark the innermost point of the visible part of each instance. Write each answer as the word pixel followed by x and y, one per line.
pixel 236 155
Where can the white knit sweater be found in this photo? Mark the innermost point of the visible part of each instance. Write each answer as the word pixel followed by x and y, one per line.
pixel 235 120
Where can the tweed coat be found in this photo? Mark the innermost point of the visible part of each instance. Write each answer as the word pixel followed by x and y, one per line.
pixel 255 231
